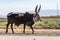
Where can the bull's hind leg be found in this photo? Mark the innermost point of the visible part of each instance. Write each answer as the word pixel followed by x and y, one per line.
pixel 12 27
pixel 7 27
pixel 24 29
pixel 32 29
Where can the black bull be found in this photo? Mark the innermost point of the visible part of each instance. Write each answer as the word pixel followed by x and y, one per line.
pixel 20 18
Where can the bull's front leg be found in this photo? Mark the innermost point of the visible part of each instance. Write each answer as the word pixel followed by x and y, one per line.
pixel 24 29
pixel 12 27
pixel 32 29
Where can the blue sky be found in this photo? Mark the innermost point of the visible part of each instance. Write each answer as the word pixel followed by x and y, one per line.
pixel 7 6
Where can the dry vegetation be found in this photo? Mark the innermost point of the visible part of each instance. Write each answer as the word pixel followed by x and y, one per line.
pixel 46 27
pixel 46 23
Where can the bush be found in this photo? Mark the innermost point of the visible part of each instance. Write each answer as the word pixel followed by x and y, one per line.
pixel 51 24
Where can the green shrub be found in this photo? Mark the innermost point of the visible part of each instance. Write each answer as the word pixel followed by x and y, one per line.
pixel 50 24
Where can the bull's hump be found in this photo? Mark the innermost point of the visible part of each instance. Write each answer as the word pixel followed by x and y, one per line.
pixel 21 14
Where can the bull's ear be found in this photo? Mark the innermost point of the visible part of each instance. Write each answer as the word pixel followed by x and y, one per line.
pixel 36 9
pixel 39 8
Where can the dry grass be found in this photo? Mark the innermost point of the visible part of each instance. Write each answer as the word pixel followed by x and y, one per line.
pixel 38 31
pixel 3 19
pixel 37 25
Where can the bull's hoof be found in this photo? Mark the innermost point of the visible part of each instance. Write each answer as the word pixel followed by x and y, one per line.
pixel 13 32
pixel 23 32
pixel 32 32
pixel 6 32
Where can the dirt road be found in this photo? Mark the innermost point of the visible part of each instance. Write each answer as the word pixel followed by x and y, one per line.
pixel 38 32
pixel 29 38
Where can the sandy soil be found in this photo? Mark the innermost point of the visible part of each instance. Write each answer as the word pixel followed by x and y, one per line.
pixel 29 38
pixel 38 32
